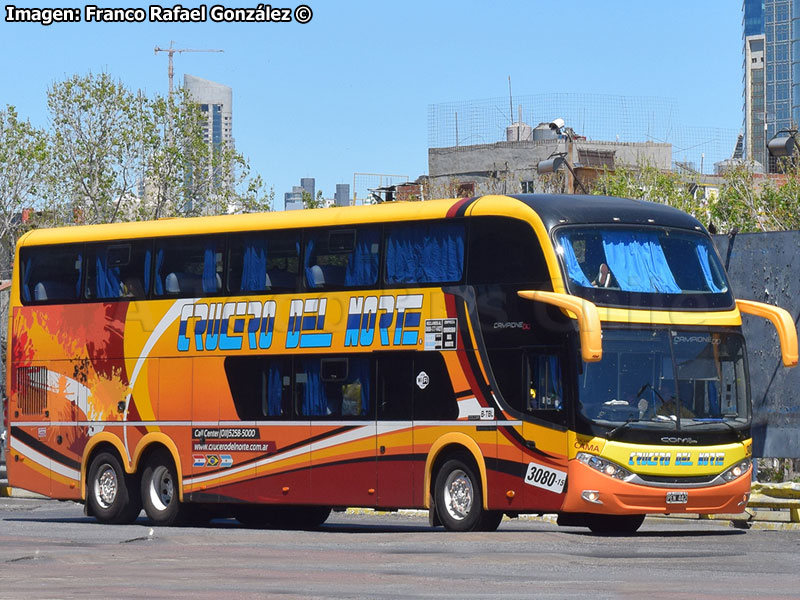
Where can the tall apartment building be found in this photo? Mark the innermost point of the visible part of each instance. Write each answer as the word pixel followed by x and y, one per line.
pixel 216 105
pixel 771 78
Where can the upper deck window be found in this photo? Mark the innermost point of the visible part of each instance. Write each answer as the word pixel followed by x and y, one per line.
pixel 342 258
pixel 51 274
pixel 425 253
pixel 643 267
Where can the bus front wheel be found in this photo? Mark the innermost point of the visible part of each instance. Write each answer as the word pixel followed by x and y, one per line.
pixel 458 497
pixel 619 524
pixel 110 495
pixel 160 495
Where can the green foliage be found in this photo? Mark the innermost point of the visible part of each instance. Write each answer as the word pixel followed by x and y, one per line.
pixel 24 161
pixel 121 156
pixel 97 144
pixel 747 203
pixel 744 202
pixel 310 202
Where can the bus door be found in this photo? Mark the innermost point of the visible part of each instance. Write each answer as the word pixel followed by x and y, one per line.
pixel 270 440
pixel 395 441
pixel 544 429
pixel 338 397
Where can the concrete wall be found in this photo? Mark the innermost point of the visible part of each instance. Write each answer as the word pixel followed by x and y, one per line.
pixel 766 267
pixel 500 168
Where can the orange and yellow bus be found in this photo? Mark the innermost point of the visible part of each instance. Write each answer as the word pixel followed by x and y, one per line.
pixel 477 357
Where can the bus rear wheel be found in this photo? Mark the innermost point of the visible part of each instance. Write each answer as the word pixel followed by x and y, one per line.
pixel 299 517
pixel 620 524
pixel 160 495
pixel 458 498
pixel 110 495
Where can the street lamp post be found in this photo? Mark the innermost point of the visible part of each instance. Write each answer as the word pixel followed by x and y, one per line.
pixel 553 163
pixel 783 145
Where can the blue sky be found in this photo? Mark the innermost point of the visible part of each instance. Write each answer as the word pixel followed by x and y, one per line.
pixel 349 91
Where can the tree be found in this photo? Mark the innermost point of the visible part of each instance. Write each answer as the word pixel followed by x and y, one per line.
pixel 745 202
pixel 121 156
pixel 310 202
pixel 23 164
pixel 748 203
pixel 98 148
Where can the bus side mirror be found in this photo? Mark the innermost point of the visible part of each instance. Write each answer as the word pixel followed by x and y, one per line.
pixel 783 322
pixel 584 311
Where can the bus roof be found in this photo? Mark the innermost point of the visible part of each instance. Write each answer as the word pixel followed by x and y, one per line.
pixel 552 209
pixel 555 210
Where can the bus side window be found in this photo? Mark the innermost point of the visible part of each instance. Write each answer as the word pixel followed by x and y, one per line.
pixel 529 382
pixel 117 270
pixel 425 253
pixel 505 251
pixel 52 273
pixel 188 267
pixel 263 262
pixel 342 258
pixel 334 387
pixel 544 383
pixel 395 386
pixel 260 387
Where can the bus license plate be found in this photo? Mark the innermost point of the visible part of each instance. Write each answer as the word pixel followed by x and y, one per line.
pixel 677 497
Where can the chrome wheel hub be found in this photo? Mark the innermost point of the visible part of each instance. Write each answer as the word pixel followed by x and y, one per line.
pixel 458 495
pixel 106 486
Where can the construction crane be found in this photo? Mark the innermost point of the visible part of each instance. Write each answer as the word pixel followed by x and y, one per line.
pixel 171 51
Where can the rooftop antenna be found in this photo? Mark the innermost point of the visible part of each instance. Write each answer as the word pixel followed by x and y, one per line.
pixel 171 51
pixel 510 101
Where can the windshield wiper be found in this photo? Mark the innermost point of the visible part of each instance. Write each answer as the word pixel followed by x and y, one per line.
pixel 620 427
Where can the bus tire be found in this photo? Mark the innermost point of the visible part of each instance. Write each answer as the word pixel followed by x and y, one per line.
pixel 110 494
pixel 299 517
pixel 160 494
pixel 490 520
pixel 458 496
pixel 614 524
pixel 258 516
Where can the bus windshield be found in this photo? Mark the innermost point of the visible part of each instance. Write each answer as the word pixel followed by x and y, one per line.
pixel 666 379
pixel 643 267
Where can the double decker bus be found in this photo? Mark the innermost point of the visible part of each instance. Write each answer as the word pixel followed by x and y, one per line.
pixel 477 357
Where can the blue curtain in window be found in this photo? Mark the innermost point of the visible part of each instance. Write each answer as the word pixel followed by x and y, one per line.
pixel 254 265
pixel 310 283
pixel 210 269
pixel 555 375
pixel 713 400
pixel 574 270
pixel 26 280
pixel 638 262
pixel 106 278
pixel 78 282
pixel 705 266
pixel 147 258
pixel 274 390
pixel 158 280
pixel 358 369
pixel 425 253
pixel 315 402
pixel 362 264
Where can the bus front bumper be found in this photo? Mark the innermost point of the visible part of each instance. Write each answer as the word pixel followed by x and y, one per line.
pixel 589 491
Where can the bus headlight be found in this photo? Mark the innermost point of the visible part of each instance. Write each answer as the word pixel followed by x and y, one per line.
pixel 606 467
pixel 737 470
